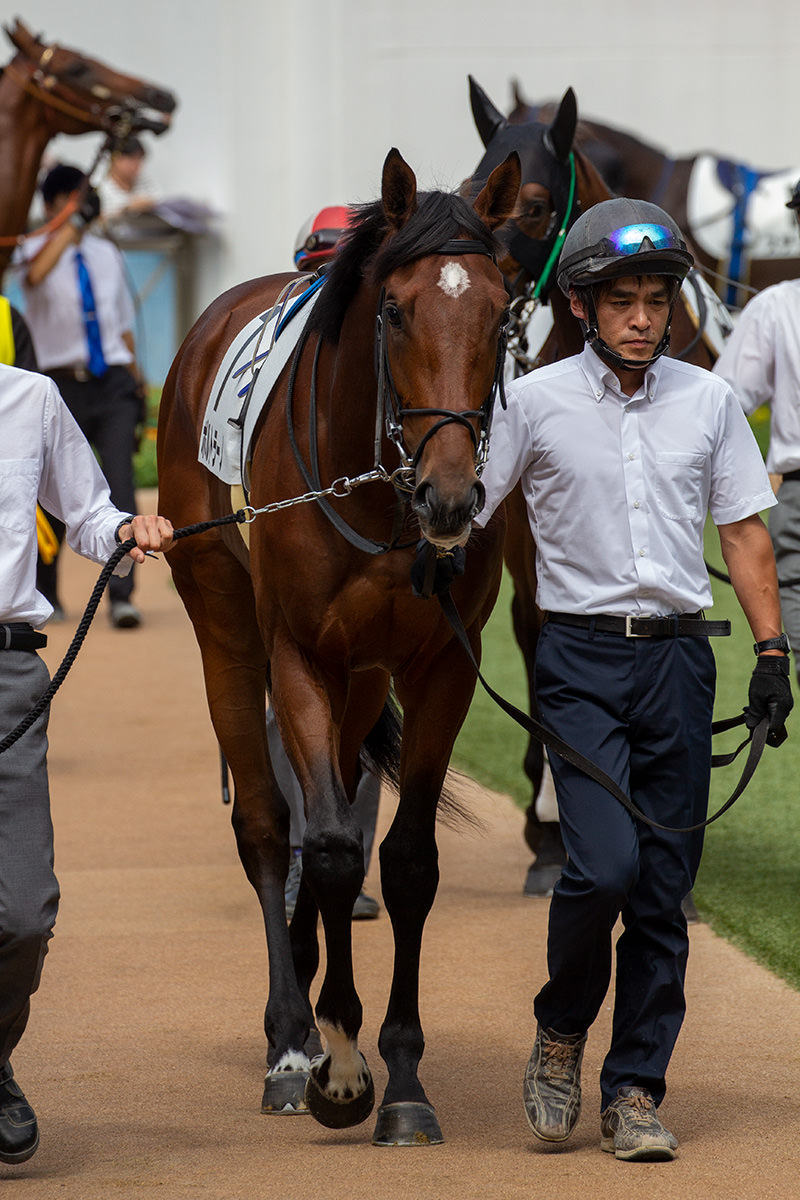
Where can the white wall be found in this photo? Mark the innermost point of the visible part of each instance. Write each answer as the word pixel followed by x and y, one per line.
pixel 286 105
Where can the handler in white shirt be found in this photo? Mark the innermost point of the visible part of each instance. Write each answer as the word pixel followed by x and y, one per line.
pixel 621 453
pixel 761 362
pixel 81 316
pixel 44 457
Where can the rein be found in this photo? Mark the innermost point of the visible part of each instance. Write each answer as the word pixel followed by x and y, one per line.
pixel 757 739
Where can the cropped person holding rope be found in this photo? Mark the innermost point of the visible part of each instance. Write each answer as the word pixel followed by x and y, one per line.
pixel 621 453
pixel 761 362
pixel 46 459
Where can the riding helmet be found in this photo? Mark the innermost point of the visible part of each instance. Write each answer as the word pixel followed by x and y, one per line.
pixel 622 237
pixel 319 237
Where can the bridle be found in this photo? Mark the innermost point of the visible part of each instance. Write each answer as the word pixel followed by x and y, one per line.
pixel 390 411
pixel 38 79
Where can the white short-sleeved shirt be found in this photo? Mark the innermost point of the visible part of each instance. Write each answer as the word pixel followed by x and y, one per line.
pixel 761 362
pixel 618 489
pixel 54 311
pixel 45 457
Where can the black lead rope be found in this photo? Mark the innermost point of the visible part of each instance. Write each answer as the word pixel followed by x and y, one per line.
pixel 756 739
pixel 88 616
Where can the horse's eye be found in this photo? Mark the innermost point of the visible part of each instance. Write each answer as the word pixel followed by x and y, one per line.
pixel 393 315
pixel 76 71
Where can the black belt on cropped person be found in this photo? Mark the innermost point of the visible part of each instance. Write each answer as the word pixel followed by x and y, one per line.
pixel 678 625
pixel 21 636
pixel 79 374
pixel 792 476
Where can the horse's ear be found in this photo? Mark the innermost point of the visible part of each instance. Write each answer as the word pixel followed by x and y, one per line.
pixel 497 200
pixel 488 119
pixel 18 35
pixel 561 134
pixel 398 190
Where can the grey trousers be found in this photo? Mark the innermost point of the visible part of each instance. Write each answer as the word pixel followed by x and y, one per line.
pixel 28 887
pixel 365 805
pixel 784 528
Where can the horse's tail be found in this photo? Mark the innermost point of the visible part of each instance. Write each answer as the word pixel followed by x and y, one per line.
pixel 381 755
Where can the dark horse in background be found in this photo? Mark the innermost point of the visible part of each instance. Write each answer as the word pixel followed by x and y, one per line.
pixel 632 167
pixel 558 182
pixel 411 316
pixel 47 89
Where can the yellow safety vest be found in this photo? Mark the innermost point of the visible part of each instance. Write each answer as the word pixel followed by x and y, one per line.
pixel 8 352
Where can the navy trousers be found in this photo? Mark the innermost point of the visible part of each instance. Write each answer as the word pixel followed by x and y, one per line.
pixel 641 709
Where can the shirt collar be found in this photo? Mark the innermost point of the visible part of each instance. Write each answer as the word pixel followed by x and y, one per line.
pixel 601 378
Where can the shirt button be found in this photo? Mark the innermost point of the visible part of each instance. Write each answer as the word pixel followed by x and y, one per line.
pixel 642 553
pixel 636 503
pixel 631 457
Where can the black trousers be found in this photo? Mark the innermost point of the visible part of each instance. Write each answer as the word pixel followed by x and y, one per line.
pixel 107 411
pixel 641 709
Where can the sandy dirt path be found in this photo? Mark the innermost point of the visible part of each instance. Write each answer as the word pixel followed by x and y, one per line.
pixel 145 1050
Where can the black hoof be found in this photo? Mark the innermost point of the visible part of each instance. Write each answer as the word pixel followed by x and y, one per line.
pixel 407 1124
pixel 335 1113
pixel 284 1093
pixel 541 880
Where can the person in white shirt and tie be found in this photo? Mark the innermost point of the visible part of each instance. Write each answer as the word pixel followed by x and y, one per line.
pixel 621 453
pixel 81 316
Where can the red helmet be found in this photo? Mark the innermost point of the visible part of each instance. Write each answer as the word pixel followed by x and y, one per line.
pixel 319 238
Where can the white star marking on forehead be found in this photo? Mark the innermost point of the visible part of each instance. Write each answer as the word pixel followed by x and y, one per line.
pixel 453 279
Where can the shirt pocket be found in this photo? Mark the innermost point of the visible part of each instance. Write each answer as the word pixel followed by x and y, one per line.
pixel 19 486
pixel 679 484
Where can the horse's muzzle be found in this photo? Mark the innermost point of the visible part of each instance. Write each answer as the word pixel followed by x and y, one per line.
pixel 445 520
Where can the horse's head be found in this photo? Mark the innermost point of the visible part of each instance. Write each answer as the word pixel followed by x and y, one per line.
pixel 441 337
pixel 81 93
pixel 555 180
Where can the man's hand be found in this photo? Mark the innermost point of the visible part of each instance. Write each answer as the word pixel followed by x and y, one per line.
pixel 88 210
pixel 152 533
pixel 770 696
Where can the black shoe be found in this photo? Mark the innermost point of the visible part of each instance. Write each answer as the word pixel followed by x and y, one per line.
pixel 19 1133
pixel 125 615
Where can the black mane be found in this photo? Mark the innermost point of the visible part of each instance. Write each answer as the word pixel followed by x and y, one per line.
pixel 439 217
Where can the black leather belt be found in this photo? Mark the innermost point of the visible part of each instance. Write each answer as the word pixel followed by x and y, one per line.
pixel 78 374
pixel 21 636
pixel 791 475
pixel 679 625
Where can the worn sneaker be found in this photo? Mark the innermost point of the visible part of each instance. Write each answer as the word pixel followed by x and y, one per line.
pixel 552 1087
pixel 630 1128
pixel 366 908
pixel 19 1133
pixel 125 615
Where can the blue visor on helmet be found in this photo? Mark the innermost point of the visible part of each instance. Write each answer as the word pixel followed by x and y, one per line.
pixel 629 239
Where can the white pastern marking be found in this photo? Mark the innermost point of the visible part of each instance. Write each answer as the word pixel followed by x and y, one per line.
pixel 453 279
pixel 348 1071
pixel 292 1060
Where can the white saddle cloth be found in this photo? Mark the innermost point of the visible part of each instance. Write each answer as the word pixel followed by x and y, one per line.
pixel 770 227
pixel 246 376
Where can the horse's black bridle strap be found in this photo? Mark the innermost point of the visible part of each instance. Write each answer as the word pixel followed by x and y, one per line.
pixel 756 740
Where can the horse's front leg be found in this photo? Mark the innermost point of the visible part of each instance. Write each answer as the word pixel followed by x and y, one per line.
pixel 213 586
pixel 339 1092
pixel 433 713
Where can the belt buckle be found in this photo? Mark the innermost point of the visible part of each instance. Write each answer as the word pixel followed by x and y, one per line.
pixel 629 629
pixel 82 375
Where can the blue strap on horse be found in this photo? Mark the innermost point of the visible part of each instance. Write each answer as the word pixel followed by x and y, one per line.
pixel 756 739
pixel 741 181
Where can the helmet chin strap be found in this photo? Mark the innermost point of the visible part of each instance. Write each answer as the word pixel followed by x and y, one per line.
pixel 592 337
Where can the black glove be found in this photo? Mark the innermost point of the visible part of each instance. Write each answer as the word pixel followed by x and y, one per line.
pixel 770 696
pixel 88 209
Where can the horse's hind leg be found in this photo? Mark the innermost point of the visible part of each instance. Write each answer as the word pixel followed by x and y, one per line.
pixel 217 593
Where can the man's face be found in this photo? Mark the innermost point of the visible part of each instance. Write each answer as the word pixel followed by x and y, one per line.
pixel 632 314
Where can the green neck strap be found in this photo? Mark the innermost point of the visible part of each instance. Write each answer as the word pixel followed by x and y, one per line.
pixel 562 233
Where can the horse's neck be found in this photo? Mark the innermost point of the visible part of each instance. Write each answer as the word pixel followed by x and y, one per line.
pixel 643 163
pixel 23 138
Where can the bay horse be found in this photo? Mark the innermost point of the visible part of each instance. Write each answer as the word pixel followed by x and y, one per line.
pixel 636 168
pixel 322 617
pixel 47 89
pixel 558 182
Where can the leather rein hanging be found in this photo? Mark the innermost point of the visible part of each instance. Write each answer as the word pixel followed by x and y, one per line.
pixel 389 414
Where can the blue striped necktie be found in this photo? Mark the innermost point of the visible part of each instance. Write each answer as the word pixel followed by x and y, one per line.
pixel 97 362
